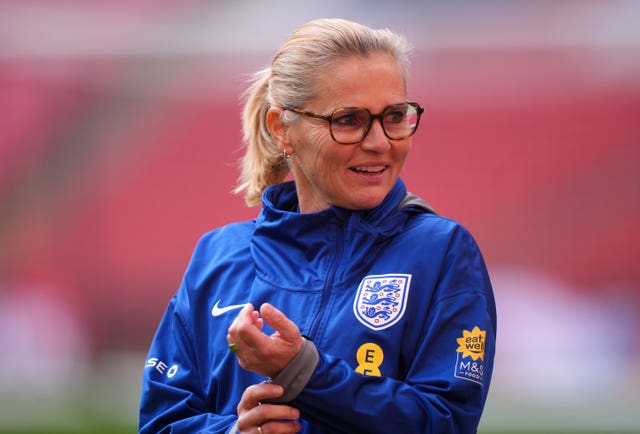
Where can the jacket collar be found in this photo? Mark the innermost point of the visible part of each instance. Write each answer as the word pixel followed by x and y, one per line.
pixel 281 202
pixel 293 250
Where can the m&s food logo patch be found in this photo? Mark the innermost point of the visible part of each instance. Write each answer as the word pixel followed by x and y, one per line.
pixel 471 344
pixel 470 355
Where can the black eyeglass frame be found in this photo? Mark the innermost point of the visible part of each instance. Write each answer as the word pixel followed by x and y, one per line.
pixel 372 118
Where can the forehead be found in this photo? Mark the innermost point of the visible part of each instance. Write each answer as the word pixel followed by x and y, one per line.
pixel 372 82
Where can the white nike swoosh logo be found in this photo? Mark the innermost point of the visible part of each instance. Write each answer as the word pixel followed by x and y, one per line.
pixel 217 311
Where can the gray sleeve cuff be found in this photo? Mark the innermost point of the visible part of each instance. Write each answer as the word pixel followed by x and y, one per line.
pixel 295 376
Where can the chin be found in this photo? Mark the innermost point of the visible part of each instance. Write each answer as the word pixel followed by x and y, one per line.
pixel 361 198
pixel 368 203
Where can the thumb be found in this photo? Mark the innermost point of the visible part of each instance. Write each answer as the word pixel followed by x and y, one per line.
pixel 284 327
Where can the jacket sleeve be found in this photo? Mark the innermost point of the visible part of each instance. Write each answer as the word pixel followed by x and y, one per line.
pixel 172 398
pixel 445 385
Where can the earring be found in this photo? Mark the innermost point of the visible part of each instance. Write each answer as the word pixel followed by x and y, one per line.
pixel 285 155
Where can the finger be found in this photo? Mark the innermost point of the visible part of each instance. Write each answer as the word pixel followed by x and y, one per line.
pixel 269 412
pixel 246 326
pixel 232 330
pixel 270 417
pixel 257 320
pixel 284 327
pixel 281 427
pixel 252 395
pixel 246 331
pixel 246 310
pixel 237 340
pixel 255 315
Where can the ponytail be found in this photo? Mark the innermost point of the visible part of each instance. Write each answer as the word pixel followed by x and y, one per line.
pixel 262 164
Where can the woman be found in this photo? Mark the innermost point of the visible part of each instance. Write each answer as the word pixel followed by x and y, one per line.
pixel 347 305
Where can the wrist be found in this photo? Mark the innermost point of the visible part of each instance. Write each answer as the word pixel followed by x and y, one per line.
pixel 295 376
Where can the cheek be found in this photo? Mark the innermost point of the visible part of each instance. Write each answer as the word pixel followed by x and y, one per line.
pixel 314 148
pixel 315 143
pixel 401 152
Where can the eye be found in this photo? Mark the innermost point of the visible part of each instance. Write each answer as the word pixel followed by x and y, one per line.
pixel 348 118
pixel 395 114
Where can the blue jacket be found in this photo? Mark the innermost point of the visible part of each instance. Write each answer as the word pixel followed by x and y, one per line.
pixel 396 299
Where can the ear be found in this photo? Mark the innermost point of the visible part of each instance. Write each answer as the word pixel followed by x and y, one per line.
pixel 277 127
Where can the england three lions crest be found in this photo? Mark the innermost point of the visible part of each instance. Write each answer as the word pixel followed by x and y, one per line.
pixel 381 300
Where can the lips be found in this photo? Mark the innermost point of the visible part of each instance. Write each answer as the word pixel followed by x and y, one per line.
pixel 369 169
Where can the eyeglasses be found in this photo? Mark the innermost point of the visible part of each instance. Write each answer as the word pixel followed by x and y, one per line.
pixel 352 124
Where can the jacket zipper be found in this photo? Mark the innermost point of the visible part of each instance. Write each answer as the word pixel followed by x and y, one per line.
pixel 328 285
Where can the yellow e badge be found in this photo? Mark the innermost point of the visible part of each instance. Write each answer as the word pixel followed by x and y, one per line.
pixel 369 357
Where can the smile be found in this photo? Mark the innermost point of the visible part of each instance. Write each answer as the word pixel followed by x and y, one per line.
pixel 372 169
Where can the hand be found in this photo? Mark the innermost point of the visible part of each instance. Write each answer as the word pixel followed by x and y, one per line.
pixel 254 417
pixel 261 353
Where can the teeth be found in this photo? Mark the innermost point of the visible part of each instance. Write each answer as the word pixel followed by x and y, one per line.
pixel 369 169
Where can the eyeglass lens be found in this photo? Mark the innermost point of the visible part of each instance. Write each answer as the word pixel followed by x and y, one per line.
pixel 350 125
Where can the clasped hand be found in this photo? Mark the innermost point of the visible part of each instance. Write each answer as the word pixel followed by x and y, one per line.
pixel 265 355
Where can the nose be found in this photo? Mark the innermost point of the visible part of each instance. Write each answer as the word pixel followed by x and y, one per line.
pixel 376 140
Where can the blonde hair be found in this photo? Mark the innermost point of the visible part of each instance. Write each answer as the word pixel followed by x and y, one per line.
pixel 308 51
